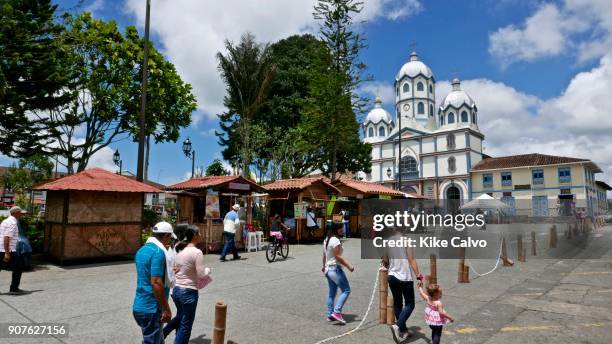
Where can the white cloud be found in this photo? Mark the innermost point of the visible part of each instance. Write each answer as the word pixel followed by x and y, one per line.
pixel 95 6
pixel 575 27
pixel 192 32
pixel 383 90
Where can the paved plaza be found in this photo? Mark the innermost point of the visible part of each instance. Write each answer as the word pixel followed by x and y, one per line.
pixel 542 300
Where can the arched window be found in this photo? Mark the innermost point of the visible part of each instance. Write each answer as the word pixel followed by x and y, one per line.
pixel 450 141
pixel 451 118
pixel 381 131
pixel 474 118
pixel 370 132
pixel 421 108
pixel 406 88
pixel 408 168
pixel 431 88
pixel 420 86
pixel 452 165
pixel 431 109
pixel 464 116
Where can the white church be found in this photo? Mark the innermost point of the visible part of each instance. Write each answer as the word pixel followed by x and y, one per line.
pixel 438 147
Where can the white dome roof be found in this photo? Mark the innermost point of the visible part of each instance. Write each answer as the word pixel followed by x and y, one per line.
pixel 378 114
pixel 457 97
pixel 413 68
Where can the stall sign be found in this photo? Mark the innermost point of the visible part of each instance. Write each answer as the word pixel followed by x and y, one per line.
pixel 387 197
pixel 239 186
pixel 212 205
pixel 299 210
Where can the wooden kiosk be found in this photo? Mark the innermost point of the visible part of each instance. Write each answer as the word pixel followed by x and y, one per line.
pixel 204 201
pixel 93 214
pixel 290 197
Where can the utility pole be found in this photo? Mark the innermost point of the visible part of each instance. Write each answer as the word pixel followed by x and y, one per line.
pixel 143 102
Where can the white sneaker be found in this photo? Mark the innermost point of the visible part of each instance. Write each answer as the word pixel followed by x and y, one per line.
pixel 395 331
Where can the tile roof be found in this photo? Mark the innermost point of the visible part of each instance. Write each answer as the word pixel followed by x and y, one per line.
pixel 603 185
pixel 211 181
pixel 523 160
pixel 97 179
pixel 369 187
pixel 297 184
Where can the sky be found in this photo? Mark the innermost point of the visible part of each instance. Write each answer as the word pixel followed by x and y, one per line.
pixel 539 71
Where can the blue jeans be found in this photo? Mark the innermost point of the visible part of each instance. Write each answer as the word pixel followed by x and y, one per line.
pixel 402 309
pixel 345 226
pixel 186 301
pixel 150 324
pixel 229 245
pixel 337 279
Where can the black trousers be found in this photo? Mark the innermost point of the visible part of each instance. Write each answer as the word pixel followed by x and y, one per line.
pixel 15 265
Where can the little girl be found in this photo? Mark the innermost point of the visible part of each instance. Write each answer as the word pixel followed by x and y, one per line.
pixel 435 316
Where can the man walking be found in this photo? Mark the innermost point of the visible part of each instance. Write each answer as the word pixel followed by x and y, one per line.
pixel 230 222
pixel 9 235
pixel 151 307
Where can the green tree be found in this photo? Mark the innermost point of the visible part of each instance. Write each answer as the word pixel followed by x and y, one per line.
pixel 26 173
pixel 247 71
pixel 105 69
pixel 32 75
pixel 216 169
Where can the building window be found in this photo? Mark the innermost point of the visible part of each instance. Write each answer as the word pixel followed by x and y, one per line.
pixel 381 131
pixel 408 168
pixel 421 108
pixel 464 116
pixel 565 175
pixel 451 118
pixel 506 178
pixel 452 164
pixel 431 109
pixel 370 132
pixel 487 180
pixel 431 88
pixel 406 88
pixel 420 86
pixel 450 141
pixel 538 176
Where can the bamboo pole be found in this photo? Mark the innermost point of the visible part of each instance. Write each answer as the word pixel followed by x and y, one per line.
pixel 382 295
pixel 552 237
pixel 533 244
pixel 219 327
pixel 390 312
pixel 466 274
pixel 519 246
pixel 433 269
pixel 461 266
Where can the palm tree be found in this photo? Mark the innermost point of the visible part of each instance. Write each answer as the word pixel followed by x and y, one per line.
pixel 247 71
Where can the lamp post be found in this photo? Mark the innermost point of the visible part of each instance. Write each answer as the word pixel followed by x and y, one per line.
pixel 190 153
pixel 143 98
pixel 117 160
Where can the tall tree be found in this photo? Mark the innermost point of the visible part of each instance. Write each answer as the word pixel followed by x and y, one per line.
pixel 334 100
pixel 32 74
pixel 105 68
pixel 247 71
pixel 216 169
pixel 26 173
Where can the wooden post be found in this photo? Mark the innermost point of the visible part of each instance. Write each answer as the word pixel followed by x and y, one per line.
pixel 533 244
pixel 219 327
pixel 390 311
pixel 461 267
pixel 570 232
pixel 552 237
pixel 433 269
pixel 382 295
pixel 466 274
pixel 504 255
pixel 231 342
pixel 519 246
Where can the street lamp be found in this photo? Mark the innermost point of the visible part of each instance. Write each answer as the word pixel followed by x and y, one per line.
pixel 190 154
pixel 389 172
pixel 117 160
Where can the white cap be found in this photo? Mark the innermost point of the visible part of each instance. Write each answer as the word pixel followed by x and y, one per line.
pixel 236 206
pixel 17 209
pixel 163 227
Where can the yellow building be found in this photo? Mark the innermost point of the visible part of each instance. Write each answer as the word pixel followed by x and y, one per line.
pixel 540 185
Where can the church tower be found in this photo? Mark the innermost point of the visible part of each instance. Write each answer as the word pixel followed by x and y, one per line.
pixel 415 96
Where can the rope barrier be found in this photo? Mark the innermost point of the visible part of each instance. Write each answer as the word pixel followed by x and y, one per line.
pixel 362 320
pixel 494 267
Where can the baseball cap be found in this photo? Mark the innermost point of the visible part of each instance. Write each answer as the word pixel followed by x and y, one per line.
pixel 236 206
pixel 17 209
pixel 163 227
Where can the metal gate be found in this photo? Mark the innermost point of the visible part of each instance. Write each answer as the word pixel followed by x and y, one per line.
pixel 509 200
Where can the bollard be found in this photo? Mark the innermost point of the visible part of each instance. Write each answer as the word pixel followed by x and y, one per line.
pixel 504 255
pixel 390 311
pixel 570 232
pixel 461 267
pixel 519 247
pixel 231 342
pixel 466 274
pixel 219 327
pixel 433 269
pixel 552 237
pixel 382 295
pixel 533 244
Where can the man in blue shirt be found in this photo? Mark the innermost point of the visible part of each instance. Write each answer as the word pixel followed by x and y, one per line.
pixel 151 307
pixel 230 222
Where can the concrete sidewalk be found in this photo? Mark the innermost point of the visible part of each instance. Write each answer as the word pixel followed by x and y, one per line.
pixel 561 301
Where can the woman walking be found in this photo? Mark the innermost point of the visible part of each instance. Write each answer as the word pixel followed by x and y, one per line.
pixel 332 268
pixel 189 269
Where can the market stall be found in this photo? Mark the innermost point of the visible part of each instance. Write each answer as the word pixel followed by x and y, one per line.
pixel 204 201
pixel 93 214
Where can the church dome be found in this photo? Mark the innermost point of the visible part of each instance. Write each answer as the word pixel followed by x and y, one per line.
pixel 378 114
pixel 413 68
pixel 457 97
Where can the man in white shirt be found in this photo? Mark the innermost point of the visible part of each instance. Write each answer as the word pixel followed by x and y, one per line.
pixel 230 222
pixel 9 234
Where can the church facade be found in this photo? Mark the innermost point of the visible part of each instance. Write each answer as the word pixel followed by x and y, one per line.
pixel 432 150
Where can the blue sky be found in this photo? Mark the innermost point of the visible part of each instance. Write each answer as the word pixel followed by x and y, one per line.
pixel 520 60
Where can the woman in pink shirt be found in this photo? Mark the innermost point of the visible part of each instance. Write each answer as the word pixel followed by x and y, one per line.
pixel 189 269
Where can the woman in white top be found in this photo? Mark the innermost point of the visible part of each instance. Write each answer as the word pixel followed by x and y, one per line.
pixel 399 261
pixel 188 269
pixel 332 268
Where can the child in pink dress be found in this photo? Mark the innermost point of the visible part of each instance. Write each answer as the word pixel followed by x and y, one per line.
pixel 435 316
